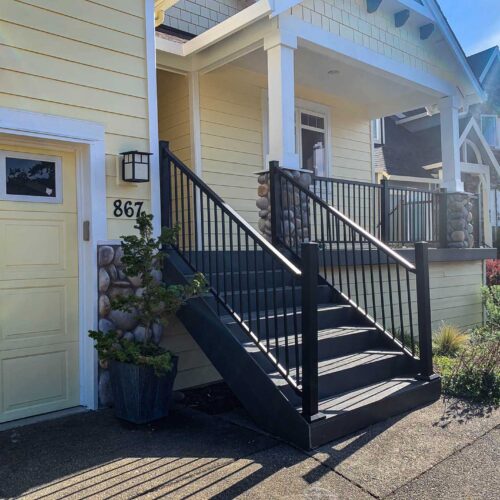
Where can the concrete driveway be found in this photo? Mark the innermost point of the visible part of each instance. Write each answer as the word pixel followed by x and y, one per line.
pixel 443 451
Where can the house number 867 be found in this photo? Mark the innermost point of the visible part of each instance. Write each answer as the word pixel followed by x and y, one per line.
pixel 128 209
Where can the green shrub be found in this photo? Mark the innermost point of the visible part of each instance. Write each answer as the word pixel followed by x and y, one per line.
pixel 112 348
pixel 475 374
pixel 491 301
pixel 154 305
pixel 449 340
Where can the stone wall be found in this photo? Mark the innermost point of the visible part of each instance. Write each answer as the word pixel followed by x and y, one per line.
pixel 459 230
pixel 294 208
pixel 112 283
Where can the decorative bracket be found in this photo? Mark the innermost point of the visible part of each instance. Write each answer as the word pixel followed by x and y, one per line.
pixel 372 5
pixel 426 31
pixel 401 17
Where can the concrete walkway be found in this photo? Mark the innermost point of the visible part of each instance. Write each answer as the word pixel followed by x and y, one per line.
pixel 438 452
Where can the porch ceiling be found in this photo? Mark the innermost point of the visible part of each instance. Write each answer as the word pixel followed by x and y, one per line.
pixel 372 92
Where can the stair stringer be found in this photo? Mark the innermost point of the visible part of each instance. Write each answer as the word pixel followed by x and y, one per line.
pixel 265 403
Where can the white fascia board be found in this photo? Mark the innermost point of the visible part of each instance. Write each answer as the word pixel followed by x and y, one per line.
pixel 169 46
pixel 453 43
pixel 474 125
pixel 228 27
pixel 353 51
pixel 416 7
pixel 494 56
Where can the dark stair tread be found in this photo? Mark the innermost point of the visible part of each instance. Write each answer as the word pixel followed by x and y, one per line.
pixel 228 319
pixel 324 335
pixel 347 362
pixel 357 398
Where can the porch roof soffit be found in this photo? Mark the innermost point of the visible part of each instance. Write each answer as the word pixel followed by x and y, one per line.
pixel 271 9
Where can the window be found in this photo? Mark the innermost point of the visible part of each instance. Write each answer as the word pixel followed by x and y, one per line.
pixel 312 135
pixel 378 131
pixel 489 129
pixel 25 177
pixel 312 141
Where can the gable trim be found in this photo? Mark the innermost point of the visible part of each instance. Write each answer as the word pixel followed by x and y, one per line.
pixel 489 64
pixel 474 125
pixel 453 42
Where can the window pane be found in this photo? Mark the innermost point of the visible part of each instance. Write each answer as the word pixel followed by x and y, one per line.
pixel 312 121
pixel 489 129
pixel 313 151
pixel 30 177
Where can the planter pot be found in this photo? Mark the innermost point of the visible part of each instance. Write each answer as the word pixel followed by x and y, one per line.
pixel 139 395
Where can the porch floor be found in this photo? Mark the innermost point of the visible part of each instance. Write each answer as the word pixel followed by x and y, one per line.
pixel 440 451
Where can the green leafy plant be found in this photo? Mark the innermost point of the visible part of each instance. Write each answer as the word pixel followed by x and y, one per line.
pixel 449 340
pixel 475 374
pixel 156 301
pixel 112 348
pixel 491 301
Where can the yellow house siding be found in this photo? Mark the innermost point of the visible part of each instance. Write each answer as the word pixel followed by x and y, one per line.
pixel 231 136
pixel 456 293
pixel 85 60
pixel 350 20
pixel 173 113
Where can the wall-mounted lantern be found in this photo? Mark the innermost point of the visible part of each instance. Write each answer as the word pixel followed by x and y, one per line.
pixel 135 166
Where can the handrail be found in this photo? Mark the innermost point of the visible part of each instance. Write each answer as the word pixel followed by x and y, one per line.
pixel 250 280
pixel 231 212
pixel 381 290
pixel 346 181
pixel 376 242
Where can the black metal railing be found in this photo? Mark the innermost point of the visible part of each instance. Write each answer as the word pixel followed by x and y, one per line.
pixel 250 279
pixel 384 287
pixel 394 214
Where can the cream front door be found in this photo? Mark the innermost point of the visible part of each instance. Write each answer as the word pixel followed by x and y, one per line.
pixel 39 360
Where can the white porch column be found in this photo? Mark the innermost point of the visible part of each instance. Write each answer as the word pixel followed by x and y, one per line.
pixel 280 49
pixel 450 148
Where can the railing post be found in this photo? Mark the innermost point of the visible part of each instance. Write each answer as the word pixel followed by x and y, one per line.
pixel 385 210
pixel 424 310
pixel 443 218
pixel 310 270
pixel 165 187
pixel 275 209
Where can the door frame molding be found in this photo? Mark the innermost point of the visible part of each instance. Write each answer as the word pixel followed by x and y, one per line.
pixel 86 139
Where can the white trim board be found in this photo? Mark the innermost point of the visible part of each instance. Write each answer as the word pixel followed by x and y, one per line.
pixel 86 139
pixel 154 184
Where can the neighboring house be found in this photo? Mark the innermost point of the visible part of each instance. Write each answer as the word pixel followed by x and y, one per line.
pixel 407 146
pixel 232 86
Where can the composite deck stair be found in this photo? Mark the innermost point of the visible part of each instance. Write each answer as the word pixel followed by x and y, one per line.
pixel 254 327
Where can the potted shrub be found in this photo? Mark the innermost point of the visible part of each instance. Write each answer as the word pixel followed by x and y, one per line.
pixel 142 374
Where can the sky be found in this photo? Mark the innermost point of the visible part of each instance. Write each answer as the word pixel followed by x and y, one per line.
pixel 476 23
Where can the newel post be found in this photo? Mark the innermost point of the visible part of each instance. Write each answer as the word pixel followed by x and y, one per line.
pixel 424 310
pixel 385 210
pixel 310 270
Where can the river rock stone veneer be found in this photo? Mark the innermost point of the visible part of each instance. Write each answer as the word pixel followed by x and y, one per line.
pixel 294 207
pixel 112 283
pixel 459 228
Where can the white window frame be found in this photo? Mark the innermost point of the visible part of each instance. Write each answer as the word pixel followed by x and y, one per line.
pixel 497 132
pixel 378 126
pixel 314 109
pixel 304 106
pixel 26 198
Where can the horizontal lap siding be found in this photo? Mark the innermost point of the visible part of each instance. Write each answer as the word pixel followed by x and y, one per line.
pixel 455 290
pixel 84 60
pixel 174 126
pixel 231 137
